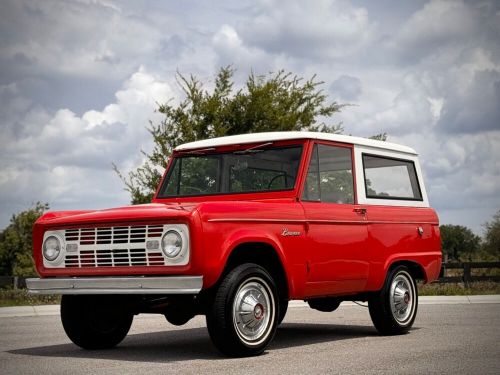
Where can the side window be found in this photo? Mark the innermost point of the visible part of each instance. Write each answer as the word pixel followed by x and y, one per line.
pixel 387 178
pixel 329 177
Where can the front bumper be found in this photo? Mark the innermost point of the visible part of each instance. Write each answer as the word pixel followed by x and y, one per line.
pixel 116 285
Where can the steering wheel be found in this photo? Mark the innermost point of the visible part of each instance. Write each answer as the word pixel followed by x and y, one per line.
pixel 274 179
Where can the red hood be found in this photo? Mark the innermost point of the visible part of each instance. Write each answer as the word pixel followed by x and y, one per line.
pixel 143 212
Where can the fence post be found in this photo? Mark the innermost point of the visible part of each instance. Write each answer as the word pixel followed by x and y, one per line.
pixel 467 275
pixel 16 282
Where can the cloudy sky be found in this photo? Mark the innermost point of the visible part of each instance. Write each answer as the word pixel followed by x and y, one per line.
pixel 79 82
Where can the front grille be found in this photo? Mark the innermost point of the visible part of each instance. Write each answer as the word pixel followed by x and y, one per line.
pixel 113 235
pixel 121 246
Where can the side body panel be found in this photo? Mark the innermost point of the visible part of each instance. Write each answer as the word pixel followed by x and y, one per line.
pixel 336 249
pixel 394 226
pixel 394 235
pixel 337 234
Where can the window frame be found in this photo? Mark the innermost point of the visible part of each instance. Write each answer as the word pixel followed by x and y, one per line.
pixel 421 199
pixel 181 156
pixel 307 164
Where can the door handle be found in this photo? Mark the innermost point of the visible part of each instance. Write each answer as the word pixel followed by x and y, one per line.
pixel 361 211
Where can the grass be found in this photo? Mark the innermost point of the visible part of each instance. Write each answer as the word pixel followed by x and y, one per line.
pixel 459 289
pixel 20 297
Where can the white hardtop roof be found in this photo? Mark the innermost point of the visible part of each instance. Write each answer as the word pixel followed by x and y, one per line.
pixel 281 136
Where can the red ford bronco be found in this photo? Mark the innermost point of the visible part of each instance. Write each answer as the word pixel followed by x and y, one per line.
pixel 238 227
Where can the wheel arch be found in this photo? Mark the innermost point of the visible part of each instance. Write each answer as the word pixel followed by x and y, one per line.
pixel 265 255
pixel 416 269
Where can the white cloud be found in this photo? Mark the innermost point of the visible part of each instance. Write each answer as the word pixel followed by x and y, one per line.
pixel 327 29
pixel 439 21
pixel 83 38
pixel 67 160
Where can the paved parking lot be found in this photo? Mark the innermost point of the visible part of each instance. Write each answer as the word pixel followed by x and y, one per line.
pixel 452 336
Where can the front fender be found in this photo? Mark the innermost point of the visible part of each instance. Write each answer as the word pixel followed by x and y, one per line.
pixel 233 240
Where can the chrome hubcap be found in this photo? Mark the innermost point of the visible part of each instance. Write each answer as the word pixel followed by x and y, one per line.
pixel 253 311
pixel 402 298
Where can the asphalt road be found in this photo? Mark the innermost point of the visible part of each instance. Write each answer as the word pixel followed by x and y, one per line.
pixel 446 339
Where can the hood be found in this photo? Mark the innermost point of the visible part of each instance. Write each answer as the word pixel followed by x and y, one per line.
pixel 143 212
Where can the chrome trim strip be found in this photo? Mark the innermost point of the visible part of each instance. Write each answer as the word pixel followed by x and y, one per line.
pixel 259 220
pixel 116 285
pixel 302 221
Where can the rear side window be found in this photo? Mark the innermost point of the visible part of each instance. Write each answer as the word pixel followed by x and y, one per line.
pixel 387 178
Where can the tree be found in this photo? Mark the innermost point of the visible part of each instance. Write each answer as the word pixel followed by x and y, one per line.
pixel 492 237
pixel 379 137
pixel 459 242
pixel 274 102
pixel 16 245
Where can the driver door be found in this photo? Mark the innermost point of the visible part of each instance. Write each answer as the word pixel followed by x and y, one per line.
pixel 337 235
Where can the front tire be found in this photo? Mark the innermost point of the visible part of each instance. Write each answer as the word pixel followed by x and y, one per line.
pixel 394 308
pixel 243 317
pixel 95 322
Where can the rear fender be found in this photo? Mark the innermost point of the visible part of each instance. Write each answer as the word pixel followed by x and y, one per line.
pixel 429 263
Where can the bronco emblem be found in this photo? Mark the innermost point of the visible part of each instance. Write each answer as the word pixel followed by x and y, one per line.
pixel 286 233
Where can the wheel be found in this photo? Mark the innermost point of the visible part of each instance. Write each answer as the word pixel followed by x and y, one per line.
pixel 394 308
pixel 95 322
pixel 243 316
pixel 283 310
pixel 327 304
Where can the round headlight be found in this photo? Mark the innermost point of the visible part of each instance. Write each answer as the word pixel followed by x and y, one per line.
pixel 51 248
pixel 171 243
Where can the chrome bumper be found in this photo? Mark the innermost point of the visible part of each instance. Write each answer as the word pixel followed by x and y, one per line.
pixel 116 285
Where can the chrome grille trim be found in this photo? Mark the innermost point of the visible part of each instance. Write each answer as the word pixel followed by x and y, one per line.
pixel 120 246
pixel 113 235
pixel 114 258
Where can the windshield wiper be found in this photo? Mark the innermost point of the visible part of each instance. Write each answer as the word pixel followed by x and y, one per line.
pixel 202 151
pixel 253 149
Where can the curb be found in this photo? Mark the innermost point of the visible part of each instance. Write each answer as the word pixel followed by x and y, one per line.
pixel 42 310
pixel 432 300
pixel 47 310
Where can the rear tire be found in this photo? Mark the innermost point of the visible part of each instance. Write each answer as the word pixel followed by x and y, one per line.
pixel 95 322
pixel 283 310
pixel 394 308
pixel 243 316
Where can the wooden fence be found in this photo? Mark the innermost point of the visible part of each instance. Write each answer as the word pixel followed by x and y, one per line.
pixel 12 281
pixel 465 272
pixel 469 272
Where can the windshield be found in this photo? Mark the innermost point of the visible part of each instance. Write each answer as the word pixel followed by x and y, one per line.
pixel 246 171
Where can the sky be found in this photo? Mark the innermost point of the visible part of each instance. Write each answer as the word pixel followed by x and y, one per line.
pixel 81 80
